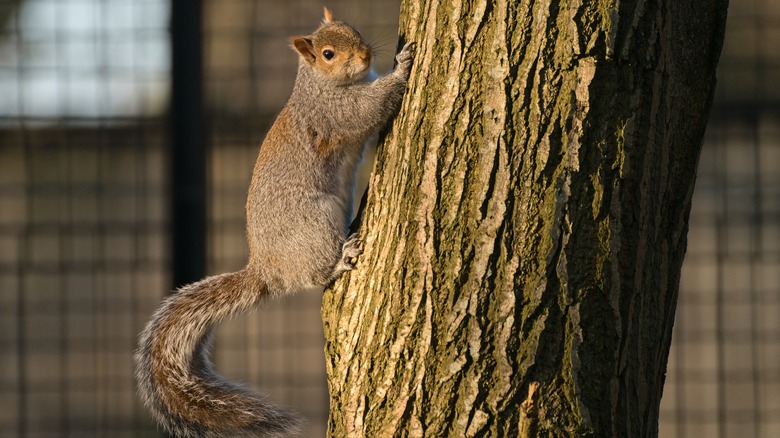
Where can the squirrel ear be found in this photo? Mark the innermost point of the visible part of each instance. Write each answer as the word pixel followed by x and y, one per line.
pixel 328 15
pixel 304 47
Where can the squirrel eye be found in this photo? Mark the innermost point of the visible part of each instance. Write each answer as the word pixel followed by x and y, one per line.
pixel 328 54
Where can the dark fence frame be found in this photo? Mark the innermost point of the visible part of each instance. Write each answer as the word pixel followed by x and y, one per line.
pixel 188 154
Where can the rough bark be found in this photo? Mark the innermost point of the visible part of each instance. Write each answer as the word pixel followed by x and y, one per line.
pixel 526 222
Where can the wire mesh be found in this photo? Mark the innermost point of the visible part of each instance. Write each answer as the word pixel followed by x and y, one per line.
pixel 83 210
pixel 723 377
pixel 723 373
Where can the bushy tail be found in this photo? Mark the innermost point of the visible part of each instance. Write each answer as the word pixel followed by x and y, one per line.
pixel 176 379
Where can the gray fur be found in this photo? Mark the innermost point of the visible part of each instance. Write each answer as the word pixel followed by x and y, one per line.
pixel 299 204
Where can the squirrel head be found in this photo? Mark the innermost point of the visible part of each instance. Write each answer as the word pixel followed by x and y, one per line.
pixel 336 51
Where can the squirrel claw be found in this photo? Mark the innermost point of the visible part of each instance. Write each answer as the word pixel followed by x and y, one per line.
pixel 351 249
pixel 406 55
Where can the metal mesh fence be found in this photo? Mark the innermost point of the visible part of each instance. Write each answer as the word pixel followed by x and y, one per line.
pixel 723 374
pixel 85 214
pixel 723 377
pixel 82 210
pixel 86 209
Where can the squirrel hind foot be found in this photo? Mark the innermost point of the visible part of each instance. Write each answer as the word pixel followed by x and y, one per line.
pixel 350 250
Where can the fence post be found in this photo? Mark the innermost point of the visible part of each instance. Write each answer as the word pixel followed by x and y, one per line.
pixel 188 145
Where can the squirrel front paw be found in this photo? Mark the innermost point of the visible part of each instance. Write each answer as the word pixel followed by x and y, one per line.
pixel 405 57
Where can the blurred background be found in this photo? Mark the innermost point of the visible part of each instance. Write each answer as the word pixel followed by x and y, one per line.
pixel 100 189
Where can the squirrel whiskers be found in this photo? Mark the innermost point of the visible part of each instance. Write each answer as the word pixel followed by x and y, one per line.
pixel 298 207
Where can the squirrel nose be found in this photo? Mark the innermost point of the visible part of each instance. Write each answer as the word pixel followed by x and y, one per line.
pixel 366 56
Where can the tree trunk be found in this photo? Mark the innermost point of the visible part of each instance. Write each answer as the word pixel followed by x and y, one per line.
pixel 526 222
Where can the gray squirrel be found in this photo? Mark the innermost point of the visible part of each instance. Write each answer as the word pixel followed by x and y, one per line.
pixel 298 208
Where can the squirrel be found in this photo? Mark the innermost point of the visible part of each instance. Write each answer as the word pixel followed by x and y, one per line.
pixel 298 210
